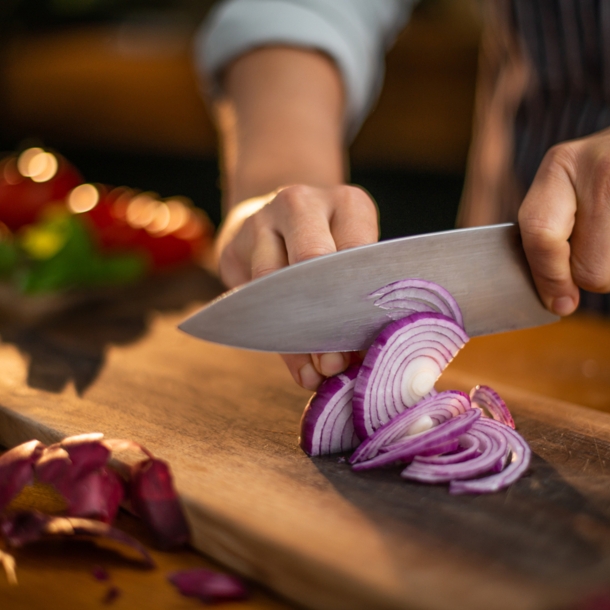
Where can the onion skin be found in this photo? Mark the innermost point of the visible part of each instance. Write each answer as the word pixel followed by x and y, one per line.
pixel 326 425
pixel 154 499
pixel 426 342
pixel 210 587
pixel 17 469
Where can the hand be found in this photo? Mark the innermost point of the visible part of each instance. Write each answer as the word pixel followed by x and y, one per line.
pixel 291 225
pixel 565 222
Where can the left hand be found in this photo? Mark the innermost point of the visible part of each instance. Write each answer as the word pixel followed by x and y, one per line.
pixel 565 222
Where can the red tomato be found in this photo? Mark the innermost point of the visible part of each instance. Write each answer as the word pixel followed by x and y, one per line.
pixel 22 199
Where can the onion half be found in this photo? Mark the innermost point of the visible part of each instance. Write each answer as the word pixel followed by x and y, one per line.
pixel 401 367
pixel 327 425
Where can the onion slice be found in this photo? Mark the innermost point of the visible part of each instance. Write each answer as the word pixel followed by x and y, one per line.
pixel 486 398
pixel 437 409
pixel 493 445
pixel 401 367
pixel 327 425
pixel 407 448
pixel 521 456
pixel 405 297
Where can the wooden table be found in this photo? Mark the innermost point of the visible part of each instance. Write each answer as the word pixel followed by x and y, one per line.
pixel 61 375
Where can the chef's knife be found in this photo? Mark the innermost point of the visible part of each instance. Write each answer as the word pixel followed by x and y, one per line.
pixel 324 304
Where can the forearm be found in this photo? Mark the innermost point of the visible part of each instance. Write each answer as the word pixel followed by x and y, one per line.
pixel 280 123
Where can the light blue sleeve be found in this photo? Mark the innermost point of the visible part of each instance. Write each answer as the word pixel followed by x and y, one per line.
pixel 354 33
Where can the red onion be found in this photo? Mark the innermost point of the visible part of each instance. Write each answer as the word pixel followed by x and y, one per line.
pixel 405 297
pixel 493 448
pixel 408 447
pixel 154 499
pixel 484 397
pixel 29 526
pixel 327 425
pixel 521 455
pixel 210 587
pixel 17 470
pixel 430 412
pixel 402 366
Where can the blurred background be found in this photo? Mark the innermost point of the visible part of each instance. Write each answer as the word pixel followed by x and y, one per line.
pixel 110 85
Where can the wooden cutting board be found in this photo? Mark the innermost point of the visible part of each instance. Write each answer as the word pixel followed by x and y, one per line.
pixel 311 529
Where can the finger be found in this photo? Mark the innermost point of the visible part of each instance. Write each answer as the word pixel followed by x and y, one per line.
pixel 303 371
pixel 269 253
pixel 590 240
pixel 331 363
pixel 546 220
pixel 303 221
pixel 355 221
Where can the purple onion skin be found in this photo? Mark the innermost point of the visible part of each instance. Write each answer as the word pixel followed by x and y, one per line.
pixel 17 470
pixel 155 500
pixel 210 587
pixel 96 496
pixel 24 527
pixel 321 407
pixel 363 420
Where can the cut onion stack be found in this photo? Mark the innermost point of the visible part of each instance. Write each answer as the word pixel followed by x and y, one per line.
pixel 388 410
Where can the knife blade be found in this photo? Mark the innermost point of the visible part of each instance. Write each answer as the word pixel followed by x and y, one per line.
pixel 323 304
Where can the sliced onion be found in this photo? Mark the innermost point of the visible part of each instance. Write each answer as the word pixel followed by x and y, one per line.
pixel 488 399
pixel 493 445
pixel 405 297
pixel 520 460
pixel 401 367
pixel 438 408
pixel 407 448
pixel 467 447
pixel 327 425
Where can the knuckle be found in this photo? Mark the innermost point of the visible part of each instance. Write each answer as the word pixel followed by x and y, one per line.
pixel 591 276
pixel 311 250
pixel 538 233
pixel 560 157
pixel 295 197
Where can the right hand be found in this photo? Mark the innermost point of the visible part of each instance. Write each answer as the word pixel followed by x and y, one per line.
pixel 290 225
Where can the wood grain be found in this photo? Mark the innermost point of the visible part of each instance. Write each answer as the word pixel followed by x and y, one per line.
pixel 311 529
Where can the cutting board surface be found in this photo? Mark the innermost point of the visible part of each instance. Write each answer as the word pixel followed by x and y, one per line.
pixel 318 533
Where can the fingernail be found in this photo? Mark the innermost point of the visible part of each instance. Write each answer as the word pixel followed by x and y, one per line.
pixel 331 364
pixel 310 378
pixel 563 306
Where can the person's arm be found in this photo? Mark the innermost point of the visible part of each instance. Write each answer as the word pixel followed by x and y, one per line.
pixel 281 122
pixel 565 222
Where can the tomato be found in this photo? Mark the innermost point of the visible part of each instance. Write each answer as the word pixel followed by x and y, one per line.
pixel 23 198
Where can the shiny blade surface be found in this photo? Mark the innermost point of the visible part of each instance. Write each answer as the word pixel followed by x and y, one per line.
pixel 323 305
